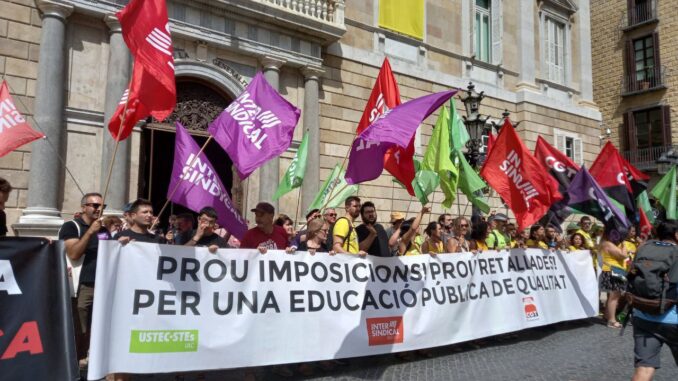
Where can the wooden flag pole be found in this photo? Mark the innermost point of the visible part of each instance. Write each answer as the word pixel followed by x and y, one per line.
pixel 174 190
pixel 296 216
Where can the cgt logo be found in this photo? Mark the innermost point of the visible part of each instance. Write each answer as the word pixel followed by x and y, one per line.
pixel 531 312
pixel 385 330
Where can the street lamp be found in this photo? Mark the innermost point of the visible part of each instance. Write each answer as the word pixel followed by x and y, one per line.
pixel 476 124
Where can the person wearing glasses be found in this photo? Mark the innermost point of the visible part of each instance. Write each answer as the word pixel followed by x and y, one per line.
pixel 586 231
pixel 330 216
pixel 204 235
pixel 458 242
pixel 81 238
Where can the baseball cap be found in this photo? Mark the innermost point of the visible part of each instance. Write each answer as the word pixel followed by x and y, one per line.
pixel 500 217
pixel 264 207
pixel 396 216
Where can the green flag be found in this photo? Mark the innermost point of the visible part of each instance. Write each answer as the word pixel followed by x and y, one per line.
pixel 665 193
pixel 424 183
pixel 470 182
pixel 294 175
pixel 644 204
pixel 336 186
pixel 437 159
pixel 459 134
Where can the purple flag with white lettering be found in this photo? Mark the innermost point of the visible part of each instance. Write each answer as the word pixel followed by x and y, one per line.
pixel 199 185
pixel 255 127
pixel 396 127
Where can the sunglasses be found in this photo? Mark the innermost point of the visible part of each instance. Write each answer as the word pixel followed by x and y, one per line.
pixel 95 205
pixel 331 214
pixel 463 226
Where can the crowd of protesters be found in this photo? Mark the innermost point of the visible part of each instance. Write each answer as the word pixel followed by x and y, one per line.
pixel 326 231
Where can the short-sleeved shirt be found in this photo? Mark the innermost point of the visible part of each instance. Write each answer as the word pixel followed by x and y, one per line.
pixel 533 244
pixel 212 239
pixel 379 246
pixel 256 237
pixel 141 237
pixel 74 230
pixel 496 240
pixel 341 229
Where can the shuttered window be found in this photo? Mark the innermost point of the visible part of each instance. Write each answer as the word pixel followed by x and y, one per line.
pixel 555 50
pixel 571 146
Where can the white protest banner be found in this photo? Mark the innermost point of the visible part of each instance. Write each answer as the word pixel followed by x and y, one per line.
pixel 161 308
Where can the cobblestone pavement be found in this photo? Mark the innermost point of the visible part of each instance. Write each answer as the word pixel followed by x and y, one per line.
pixel 581 350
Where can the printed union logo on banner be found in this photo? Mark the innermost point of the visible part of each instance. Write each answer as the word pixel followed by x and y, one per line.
pixel 164 341
pixel 531 312
pixel 385 330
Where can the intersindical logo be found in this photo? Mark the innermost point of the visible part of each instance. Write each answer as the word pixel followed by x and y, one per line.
pixel 385 330
pixel 163 341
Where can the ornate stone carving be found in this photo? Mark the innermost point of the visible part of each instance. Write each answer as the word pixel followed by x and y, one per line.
pixel 197 105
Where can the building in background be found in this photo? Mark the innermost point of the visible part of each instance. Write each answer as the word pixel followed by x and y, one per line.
pixel 67 65
pixel 634 59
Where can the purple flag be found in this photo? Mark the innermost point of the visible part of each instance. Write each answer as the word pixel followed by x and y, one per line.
pixel 395 127
pixel 588 197
pixel 200 186
pixel 255 127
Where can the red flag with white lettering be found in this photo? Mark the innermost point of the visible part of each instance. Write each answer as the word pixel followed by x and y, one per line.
pixel 14 129
pixel 609 171
pixel 152 90
pixel 519 178
pixel 385 95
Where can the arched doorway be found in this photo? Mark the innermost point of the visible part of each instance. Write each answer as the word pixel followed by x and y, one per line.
pixel 198 103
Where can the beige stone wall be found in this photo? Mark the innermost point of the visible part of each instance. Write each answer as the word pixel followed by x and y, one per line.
pixel 19 48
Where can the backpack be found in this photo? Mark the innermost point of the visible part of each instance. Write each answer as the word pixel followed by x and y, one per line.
pixel 330 236
pixel 652 278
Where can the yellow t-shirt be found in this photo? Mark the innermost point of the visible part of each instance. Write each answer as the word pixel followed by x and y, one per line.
pixel 435 248
pixel 341 229
pixel 482 246
pixel 611 260
pixel 532 244
pixel 631 249
pixel 415 248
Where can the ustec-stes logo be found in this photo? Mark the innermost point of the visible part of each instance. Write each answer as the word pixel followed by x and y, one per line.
pixel 385 330
pixel 531 312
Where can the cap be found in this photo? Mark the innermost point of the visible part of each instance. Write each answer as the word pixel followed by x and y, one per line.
pixel 500 217
pixel 396 216
pixel 264 207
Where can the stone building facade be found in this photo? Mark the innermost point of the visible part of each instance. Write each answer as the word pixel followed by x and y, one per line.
pixel 634 62
pixel 67 66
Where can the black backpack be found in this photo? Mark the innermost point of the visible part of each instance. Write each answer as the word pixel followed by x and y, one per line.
pixel 330 237
pixel 653 277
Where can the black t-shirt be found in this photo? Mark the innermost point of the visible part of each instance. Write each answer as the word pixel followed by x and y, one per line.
pixel 304 247
pixel 70 230
pixel 379 246
pixel 3 223
pixel 138 237
pixel 212 239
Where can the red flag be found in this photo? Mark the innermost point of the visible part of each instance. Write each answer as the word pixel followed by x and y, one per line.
pixel 14 130
pixel 491 139
pixel 385 96
pixel 562 168
pixel 608 170
pixel 152 90
pixel 645 225
pixel 636 178
pixel 519 178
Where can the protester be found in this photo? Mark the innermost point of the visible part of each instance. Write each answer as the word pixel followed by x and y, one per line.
pixel 285 222
pixel 613 276
pixel 330 216
pixel 301 234
pixel 81 238
pixel 204 235
pixel 479 234
pixel 446 221
pixel 409 245
pixel 141 214
pixel 458 242
pixel 126 219
pixel 113 224
pixel 344 236
pixel 577 242
pixel 372 236
pixel 552 238
pixel 585 229
pixel 631 243
pixel 316 237
pixel 652 331
pixel 537 238
pixel 523 237
pixel 512 235
pixel 266 235
pixel 434 243
pixel 184 229
pixel 497 239
pixel 5 189
pixel 393 232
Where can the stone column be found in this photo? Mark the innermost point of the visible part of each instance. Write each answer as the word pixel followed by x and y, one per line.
pixel 46 175
pixel 585 63
pixel 526 32
pixel 310 186
pixel 117 80
pixel 269 174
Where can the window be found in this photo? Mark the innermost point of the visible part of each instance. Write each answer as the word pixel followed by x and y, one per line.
pixel 570 144
pixel 487 31
pixel 649 128
pixel 643 49
pixel 555 50
pixel 643 67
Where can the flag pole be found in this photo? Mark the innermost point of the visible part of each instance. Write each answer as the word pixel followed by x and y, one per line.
pixel 176 186
pixel 341 168
pixel 296 216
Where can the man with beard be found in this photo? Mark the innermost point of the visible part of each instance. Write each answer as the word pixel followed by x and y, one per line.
pixel 81 238
pixel 372 236
pixel 141 215
pixel 344 236
pixel 204 235
pixel 445 220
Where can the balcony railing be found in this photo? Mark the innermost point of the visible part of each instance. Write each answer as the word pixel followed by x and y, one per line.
pixel 330 11
pixel 640 13
pixel 646 158
pixel 644 80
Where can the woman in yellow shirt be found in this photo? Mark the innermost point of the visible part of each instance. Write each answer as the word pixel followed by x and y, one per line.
pixel 577 242
pixel 631 244
pixel 479 234
pixel 434 243
pixel 613 276
pixel 408 244
pixel 537 238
